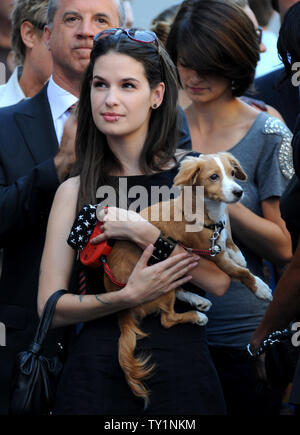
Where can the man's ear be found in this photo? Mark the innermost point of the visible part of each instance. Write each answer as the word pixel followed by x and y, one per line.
pixel 189 171
pixel 28 34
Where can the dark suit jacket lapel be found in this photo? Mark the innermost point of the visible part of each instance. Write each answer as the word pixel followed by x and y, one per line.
pixel 35 122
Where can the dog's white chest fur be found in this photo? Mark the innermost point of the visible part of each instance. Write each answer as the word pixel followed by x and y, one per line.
pixel 221 241
pixel 216 210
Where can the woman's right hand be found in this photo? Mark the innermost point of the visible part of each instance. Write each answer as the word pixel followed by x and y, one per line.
pixel 147 283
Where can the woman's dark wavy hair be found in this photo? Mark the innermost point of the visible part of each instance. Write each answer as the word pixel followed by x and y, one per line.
pixel 215 37
pixel 288 43
pixel 94 159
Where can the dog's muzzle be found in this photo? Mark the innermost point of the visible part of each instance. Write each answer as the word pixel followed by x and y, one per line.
pixel 238 193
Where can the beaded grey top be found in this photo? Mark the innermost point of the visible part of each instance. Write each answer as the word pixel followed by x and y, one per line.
pixel 274 126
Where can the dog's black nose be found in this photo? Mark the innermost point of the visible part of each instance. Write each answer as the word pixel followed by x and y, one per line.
pixel 238 193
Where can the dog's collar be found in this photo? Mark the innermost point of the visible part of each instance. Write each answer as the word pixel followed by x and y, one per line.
pixel 214 248
pixel 218 226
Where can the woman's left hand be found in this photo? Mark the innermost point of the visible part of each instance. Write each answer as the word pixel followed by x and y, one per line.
pixel 124 224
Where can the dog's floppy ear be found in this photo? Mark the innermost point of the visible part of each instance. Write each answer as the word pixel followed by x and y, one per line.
pixel 239 173
pixel 188 172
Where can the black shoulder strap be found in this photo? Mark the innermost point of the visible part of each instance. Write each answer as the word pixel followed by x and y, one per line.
pixel 47 316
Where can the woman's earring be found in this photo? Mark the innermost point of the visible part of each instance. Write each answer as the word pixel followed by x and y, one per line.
pixel 154 106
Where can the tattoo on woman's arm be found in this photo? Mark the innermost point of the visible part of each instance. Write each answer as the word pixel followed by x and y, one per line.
pixel 100 300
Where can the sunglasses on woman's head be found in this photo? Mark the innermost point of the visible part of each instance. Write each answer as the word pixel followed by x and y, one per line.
pixel 143 36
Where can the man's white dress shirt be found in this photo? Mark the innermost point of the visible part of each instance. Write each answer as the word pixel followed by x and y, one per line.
pixel 11 92
pixel 60 101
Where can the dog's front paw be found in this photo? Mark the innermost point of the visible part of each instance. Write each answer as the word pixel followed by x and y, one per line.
pixel 202 319
pixel 263 290
pixel 202 304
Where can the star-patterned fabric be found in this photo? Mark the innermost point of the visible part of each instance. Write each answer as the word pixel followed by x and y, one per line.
pixel 83 227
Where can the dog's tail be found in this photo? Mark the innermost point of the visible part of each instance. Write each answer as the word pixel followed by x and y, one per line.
pixel 135 369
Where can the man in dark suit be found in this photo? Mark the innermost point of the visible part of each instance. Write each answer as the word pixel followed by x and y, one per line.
pixel 32 165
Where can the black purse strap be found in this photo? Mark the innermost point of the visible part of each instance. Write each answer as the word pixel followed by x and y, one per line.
pixel 45 321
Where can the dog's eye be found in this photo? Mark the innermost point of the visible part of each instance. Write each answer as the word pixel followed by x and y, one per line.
pixel 232 173
pixel 214 177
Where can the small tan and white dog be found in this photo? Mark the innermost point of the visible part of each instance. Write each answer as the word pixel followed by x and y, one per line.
pixel 217 174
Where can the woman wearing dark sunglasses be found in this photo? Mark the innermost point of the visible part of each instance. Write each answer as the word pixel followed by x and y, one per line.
pixel 126 131
pixel 215 68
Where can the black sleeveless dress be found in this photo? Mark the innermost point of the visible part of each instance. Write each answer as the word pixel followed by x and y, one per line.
pixel 184 381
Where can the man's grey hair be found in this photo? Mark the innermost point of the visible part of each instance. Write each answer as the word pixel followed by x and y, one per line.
pixel 54 4
pixel 34 11
pixel 52 8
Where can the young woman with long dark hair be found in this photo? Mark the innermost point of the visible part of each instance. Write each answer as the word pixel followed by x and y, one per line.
pixel 127 131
